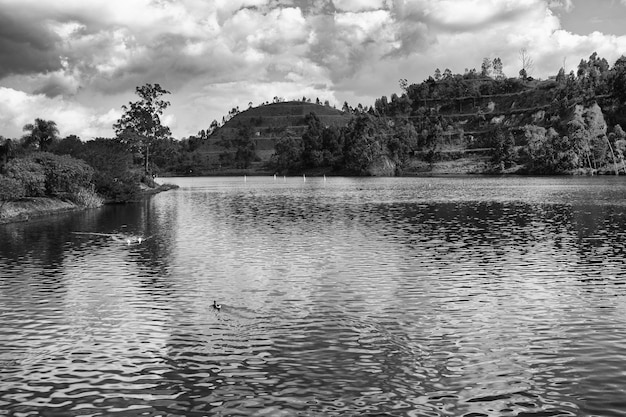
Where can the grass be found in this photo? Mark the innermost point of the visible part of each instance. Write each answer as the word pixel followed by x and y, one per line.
pixel 25 209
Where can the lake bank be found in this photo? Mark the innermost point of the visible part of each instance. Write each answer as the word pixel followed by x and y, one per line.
pixel 34 207
pixel 467 165
pixel 37 207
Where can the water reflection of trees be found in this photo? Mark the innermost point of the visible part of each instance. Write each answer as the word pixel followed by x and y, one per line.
pixel 504 226
pixel 46 242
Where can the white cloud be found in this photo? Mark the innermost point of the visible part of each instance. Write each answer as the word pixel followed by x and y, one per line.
pixel 566 5
pixel 217 55
pixel 358 5
pixel 18 108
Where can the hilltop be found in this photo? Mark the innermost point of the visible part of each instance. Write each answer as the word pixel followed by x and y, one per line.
pixel 264 126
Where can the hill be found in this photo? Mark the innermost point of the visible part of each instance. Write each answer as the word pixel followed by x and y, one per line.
pixel 264 125
pixel 455 123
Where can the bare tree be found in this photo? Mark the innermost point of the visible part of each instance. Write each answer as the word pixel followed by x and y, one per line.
pixel 528 65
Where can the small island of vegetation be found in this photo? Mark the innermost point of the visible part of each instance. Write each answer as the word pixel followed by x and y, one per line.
pixel 478 122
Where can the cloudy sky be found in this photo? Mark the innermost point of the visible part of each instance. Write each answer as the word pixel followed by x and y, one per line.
pixel 77 62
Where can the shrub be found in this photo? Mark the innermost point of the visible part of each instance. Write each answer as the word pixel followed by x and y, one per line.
pixel 120 188
pixel 30 174
pixel 86 198
pixel 11 189
pixel 64 174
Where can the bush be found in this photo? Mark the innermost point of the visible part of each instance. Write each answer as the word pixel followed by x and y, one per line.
pixel 11 189
pixel 86 198
pixel 121 188
pixel 30 174
pixel 64 174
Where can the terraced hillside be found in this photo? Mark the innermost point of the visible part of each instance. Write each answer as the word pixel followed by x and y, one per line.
pixel 266 124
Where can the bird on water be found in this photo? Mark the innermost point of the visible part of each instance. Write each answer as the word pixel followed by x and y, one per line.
pixel 216 306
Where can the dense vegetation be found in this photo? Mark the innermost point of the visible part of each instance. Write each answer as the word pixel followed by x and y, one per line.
pixel 40 164
pixel 567 124
pixel 570 123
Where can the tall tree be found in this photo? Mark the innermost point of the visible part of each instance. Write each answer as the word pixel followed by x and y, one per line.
pixel 41 134
pixel 140 125
pixel 485 68
pixel 497 69
pixel 528 65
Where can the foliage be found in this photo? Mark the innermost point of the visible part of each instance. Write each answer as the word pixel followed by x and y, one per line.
pixel 140 126
pixel 503 148
pixel 117 187
pixel 30 174
pixel 41 134
pixel 11 189
pixel 86 198
pixel 288 154
pixel 322 146
pixel 114 177
pixel 362 146
pixel 312 154
pixel 64 175
pixel 241 149
pixel 7 150
pixel 70 145
pixel 41 174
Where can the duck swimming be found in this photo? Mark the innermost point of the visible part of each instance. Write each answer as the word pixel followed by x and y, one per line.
pixel 216 306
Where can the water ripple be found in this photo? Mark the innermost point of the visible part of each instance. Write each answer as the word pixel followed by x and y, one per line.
pixel 350 297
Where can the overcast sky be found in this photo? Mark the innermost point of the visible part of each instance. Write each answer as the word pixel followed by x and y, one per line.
pixel 77 62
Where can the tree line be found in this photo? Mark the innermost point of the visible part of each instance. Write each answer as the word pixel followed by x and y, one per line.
pixel 40 164
pixel 568 123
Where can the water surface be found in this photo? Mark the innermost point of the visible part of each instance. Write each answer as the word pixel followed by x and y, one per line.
pixel 397 296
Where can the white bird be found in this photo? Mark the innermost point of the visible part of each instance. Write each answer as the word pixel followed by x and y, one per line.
pixel 216 306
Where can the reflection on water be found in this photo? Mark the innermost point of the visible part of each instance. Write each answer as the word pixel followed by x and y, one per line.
pixel 416 297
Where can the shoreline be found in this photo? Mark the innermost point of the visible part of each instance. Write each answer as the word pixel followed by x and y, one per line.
pixel 32 208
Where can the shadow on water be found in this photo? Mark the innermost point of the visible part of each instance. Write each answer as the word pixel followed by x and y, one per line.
pixel 47 241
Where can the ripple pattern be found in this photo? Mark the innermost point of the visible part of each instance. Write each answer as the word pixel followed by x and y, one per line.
pixel 347 297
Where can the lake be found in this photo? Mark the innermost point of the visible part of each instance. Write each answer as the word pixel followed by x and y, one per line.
pixel 452 296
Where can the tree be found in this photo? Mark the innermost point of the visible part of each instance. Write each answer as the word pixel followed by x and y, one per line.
pixel 240 149
pixel 361 145
pixel 7 150
pixel 527 63
pixel 287 154
pixel 485 68
pixel 404 84
pixel 42 134
pixel 619 79
pixel 70 145
pixel 523 74
pixel 497 69
pixel 312 155
pixel 560 77
pixel 140 125
pixel 503 148
pixel 618 137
